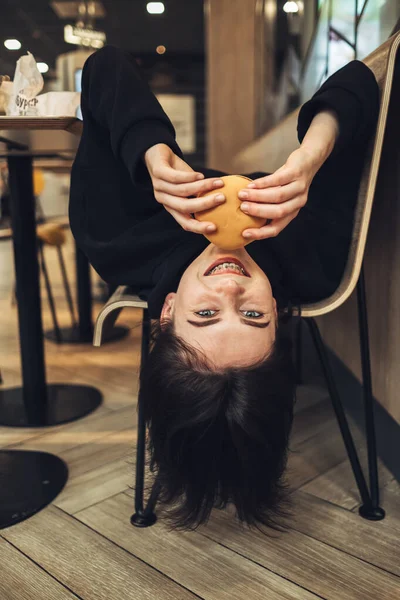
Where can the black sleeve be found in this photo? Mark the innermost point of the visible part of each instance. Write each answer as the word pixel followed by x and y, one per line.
pixel 353 93
pixel 117 97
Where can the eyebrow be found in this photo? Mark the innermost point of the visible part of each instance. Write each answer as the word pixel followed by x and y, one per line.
pixel 212 321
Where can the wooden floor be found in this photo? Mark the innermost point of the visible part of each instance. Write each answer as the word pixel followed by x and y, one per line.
pixel 83 546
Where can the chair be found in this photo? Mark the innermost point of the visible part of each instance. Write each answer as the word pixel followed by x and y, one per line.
pixel 50 234
pixel 47 234
pixel 382 62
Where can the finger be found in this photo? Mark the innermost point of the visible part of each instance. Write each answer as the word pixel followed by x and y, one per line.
pixel 268 231
pixel 273 211
pixel 274 195
pixel 189 224
pixel 190 205
pixel 184 190
pixel 165 172
pixel 180 165
pixel 282 176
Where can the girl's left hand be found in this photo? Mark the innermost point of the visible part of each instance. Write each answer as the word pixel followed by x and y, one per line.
pixel 279 197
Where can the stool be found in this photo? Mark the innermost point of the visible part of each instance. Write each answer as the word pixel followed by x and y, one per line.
pixel 52 234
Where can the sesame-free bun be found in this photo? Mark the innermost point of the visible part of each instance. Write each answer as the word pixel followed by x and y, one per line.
pixel 230 220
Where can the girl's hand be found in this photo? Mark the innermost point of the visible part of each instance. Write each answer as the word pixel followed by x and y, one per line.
pixel 279 197
pixel 174 182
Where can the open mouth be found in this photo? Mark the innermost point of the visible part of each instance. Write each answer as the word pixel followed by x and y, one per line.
pixel 225 265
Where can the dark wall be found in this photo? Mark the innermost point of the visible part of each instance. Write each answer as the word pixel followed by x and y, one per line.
pixel 181 74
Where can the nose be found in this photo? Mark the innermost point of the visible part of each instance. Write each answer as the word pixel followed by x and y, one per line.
pixel 229 287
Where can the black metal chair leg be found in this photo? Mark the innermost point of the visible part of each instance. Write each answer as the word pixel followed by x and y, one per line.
pixel 341 417
pixel 57 331
pixel 67 288
pixel 298 350
pixel 143 517
pixel 372 510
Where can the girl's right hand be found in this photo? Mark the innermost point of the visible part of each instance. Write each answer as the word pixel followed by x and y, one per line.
pixel 174 181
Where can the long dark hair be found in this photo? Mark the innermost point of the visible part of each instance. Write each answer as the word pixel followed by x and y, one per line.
pixel 218 437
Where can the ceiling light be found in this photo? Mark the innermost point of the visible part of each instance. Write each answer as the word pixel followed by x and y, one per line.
pixel 12 44
pixel 155 8
pixel 71 10
pixel 291 7
pixel 43 67
pixel 161 49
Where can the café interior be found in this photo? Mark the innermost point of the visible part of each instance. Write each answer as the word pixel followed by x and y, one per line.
pixel 80 515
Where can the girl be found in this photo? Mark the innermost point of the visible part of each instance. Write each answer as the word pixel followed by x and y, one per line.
pixel 218 387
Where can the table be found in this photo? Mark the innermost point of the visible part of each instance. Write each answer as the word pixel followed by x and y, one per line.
pixel 83 334
pixel 35 404
pixel 29 481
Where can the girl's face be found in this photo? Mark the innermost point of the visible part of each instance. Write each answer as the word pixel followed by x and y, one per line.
pixel 230 314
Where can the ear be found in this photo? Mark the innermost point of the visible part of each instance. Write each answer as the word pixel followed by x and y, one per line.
pixel 167 311
pixel 275 309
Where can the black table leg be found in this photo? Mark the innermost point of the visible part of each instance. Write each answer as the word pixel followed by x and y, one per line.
pixel 27 286
pixel 35 404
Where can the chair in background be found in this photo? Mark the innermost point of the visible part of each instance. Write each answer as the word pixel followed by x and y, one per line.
pixel 382 62
pixel 51 235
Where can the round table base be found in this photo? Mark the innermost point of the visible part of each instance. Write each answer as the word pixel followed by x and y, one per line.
pixel 29 481
pixel 66 403
pixel 72 335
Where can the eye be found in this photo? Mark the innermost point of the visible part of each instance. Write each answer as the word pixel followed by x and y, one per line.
pixel 205 311
pixel 255 315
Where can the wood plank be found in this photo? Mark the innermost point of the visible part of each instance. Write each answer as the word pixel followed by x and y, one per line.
pixel 314 419
pixel 91 566
pixel 89 429
pixel 317 454
pixel 86 457
pixel 316 566
pixel 393 486
pixel 22 579
pixel 337 485
pixel 196 562
pixel 373 541
pixel 309 395
pixel 96 485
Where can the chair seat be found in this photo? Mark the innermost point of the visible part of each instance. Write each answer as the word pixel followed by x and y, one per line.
pixel 51 234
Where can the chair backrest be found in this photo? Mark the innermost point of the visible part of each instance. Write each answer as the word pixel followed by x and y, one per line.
pixel 382 63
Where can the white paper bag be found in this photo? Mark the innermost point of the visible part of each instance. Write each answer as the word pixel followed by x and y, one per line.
pixel 22 99
pixel 28 82
pixel 58 104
